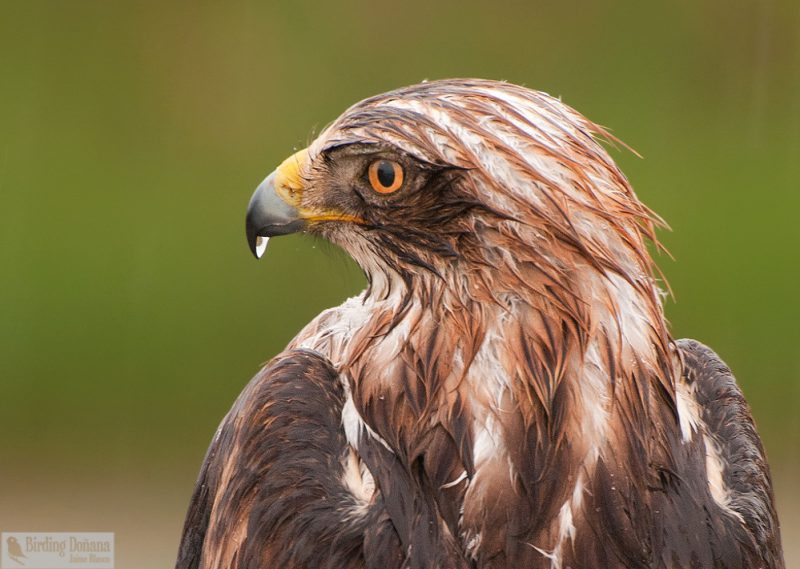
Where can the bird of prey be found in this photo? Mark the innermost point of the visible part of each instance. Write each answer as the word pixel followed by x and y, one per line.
pixel 505 393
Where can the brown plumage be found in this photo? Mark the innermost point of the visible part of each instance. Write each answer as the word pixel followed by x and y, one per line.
pixel 505 393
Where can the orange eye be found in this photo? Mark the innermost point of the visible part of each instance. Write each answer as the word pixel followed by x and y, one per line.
pixel 385 176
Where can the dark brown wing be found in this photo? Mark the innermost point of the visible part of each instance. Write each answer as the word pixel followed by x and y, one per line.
pixel 271 492
pixel 196 523
pixel 746 473
pixel 672 501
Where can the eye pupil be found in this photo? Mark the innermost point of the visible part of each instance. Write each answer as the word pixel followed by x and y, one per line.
pixel 385 173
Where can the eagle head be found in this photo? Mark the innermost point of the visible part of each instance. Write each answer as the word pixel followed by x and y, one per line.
pixel 481 188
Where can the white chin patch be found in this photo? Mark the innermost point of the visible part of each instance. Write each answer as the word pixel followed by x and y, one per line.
pixel 261 245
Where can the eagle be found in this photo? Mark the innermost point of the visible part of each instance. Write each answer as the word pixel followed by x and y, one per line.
pixel 505 392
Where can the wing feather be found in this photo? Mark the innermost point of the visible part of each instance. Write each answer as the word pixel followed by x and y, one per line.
pixel 745 473
pixel 272 491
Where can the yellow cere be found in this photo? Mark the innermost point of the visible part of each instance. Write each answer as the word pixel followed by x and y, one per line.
pixel 288 180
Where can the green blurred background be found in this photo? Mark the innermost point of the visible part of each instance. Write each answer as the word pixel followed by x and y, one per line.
pixel 131 137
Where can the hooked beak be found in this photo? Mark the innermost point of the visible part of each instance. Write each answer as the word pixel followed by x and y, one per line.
pixel 274 207
pixel 269 215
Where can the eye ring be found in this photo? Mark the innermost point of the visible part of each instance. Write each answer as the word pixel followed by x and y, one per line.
pixel 385 176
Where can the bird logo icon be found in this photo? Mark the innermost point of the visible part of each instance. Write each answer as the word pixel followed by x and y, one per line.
pixel 14 550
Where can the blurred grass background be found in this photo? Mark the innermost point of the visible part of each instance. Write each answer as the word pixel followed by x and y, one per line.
pixel 131 137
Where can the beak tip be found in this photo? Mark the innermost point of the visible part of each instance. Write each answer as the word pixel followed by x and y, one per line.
pixel 269 215
pixel 252 238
